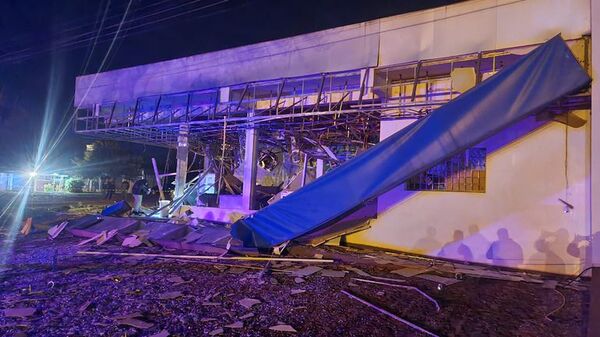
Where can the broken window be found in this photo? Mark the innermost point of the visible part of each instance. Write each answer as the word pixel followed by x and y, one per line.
pixel 464 172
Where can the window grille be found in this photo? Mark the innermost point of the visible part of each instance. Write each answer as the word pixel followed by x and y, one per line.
pixel 464 172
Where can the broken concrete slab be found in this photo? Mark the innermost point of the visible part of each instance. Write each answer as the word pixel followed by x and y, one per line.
pixel 410 271
pixel 162 333
pixel 134 322
pixel 491 274
pixel 19 312
pixel 235 325
pixel 283 328
pixel 438 279
pixel 82 223
pixel 55 231
pixel 333 273
pixel 306 271
pixel 249 302
pixel 216 332
pixel 122 225
pixel 170 295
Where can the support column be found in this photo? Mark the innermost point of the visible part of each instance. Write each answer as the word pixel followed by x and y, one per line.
pixel 594 312
pixel 249 168
pixel 320 168
pixel 182 160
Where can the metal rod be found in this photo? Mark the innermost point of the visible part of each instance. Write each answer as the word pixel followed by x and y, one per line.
pixel 209 257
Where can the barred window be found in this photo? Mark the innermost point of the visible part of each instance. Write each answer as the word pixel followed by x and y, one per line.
pixel 464 172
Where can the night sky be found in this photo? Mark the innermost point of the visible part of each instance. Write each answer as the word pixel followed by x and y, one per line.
pixel 44 45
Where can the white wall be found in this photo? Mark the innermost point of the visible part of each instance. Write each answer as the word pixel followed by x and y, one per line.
pixel 524 181
pixel 479 25
pixel 339 49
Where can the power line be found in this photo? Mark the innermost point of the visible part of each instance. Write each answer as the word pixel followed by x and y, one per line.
pixel 77 41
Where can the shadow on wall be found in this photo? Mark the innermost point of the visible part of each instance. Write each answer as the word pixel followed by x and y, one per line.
pixel 456 249
pixel 549 247
pixel 505 251
pixel 478 243
pixel 581 248
pixel 429 244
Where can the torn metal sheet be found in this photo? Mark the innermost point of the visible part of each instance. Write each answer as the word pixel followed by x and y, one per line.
pixel 524 88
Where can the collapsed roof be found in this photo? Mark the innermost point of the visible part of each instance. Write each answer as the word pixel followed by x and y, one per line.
pixel 545 75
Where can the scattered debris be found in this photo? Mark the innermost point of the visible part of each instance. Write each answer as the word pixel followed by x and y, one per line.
pixel 365 274
pixel 248 302
pixel 176 280
pixel 208 304
pixel 134 322
pixel 206 257
pixel 431 299
pixel 333 273
pixel 306 271
pixel 283 328
pixel 26 226
pixel 385 312
pixel 439 279
pixel 410 271
pixel 297 291
pixel 131 241
pixel 19 312
pixel 85 305
pixel 162 333
pixel 216 332
pixel 93 238
pixel 170 295
pixel 106 236
pixel 235 325
pixel 55 231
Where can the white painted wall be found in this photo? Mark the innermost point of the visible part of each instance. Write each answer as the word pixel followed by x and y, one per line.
pixel 344 48
pixel 524 181
pixel 479 25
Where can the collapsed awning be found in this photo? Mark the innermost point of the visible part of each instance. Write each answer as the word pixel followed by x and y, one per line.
pixel 544 75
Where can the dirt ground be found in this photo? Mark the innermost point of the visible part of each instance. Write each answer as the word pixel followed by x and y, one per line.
pixel 69 294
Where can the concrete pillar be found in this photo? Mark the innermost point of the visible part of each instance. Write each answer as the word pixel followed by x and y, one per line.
pixel 320 169
pixel 182 160
pixel 249 169
pixel 594 313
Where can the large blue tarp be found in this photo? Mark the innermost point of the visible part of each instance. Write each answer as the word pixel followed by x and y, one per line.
pixel 536 80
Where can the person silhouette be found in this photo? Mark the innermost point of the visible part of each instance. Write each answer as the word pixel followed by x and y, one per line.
pixel 505 251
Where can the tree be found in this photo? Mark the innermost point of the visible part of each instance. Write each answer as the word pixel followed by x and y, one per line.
pixel 109 158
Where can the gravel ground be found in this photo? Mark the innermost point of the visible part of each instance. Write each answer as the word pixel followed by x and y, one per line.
pixel 82 295
pixel 77 295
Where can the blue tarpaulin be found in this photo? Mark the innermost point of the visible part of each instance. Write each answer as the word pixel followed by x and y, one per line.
pixel 526 87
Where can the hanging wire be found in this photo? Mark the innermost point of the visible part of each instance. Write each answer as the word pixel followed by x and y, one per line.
pixel 221 168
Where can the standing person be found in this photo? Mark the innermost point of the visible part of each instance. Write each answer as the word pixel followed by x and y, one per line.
pixel 140 187
pixel 110 188
pixel 105 187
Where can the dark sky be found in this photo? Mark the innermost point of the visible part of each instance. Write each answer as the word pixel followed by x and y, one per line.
pixel 44 45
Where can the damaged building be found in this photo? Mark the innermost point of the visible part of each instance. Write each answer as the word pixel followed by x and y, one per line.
pixel 462 132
